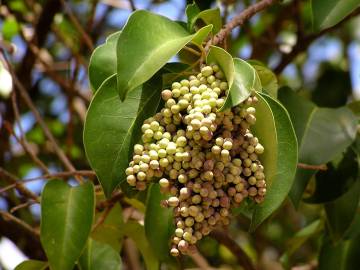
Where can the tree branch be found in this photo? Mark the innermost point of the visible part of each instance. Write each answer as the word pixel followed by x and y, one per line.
pixel 226 240
pixel 238 20
pixel 304 42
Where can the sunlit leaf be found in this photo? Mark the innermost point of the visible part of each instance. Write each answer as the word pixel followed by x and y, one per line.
pixel 145 44
pixel 66 219
pixel 276 133
pixel 112 128
pixel 103 62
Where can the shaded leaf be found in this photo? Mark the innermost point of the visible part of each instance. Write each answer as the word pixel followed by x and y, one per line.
pixel 322 134
pixel 98 255
pixel 336 180
pixel 66 219
pixel 333 88
pixel 341 212
pixel 301 237
pixel 137 233
pixel 145 44
pixel 110 231
pixel 32 265
pixel 103 62
pixel 343 255
pixel 328 13
pixel 276 133
pixel 158 223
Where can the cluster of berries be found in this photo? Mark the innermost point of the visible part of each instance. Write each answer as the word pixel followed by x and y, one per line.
pixel 205 159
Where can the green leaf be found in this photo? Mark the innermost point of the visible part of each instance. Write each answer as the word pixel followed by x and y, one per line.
pixel 241 76
pixel 327 184
pixel 301 237
pixel 10 27
pixel 268 78
pixel 66 219
pixel 103 62
pixel 276 133
pixel 341 212
pixel 110 231
pixel 145 44
pixel 137 233
pixel 328 13
pixel 98 255
pixel 192 10
pixel 208 16
pixel 339 256
pixel 322 134
pixel 112 128
pixel 158 223
pixel 32 265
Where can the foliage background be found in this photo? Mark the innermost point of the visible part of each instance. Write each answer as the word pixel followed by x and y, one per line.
pixel 49 44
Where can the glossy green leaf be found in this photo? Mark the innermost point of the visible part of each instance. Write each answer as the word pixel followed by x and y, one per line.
pixel 32 265
pixel 103 62
pixel 137 233
pixel 98 255
pixel 343 255
pixel 330 12
pixel 241 76
pixel 110 230
pixel 66 219
pixel 268 78
pixel 112 128
pixel 145 44
pixel 158 223
pixel 317 129
pixel 276 133
pixel 341 212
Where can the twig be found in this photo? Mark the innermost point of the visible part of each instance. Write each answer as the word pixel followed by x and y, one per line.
pixel 22 205
pixel 199 259
pixel 21 223
pixel 132 5
pixel 102 218
pixel 78 26
pixel 23 93
pixel 109 202
pixel 321 167
pixel 61 175
pixel 238 20
pixel 242 257
pixel 19 187
pixel 22 140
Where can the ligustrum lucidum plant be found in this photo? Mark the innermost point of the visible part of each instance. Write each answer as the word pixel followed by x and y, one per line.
pixel 201 133
pixel 190 147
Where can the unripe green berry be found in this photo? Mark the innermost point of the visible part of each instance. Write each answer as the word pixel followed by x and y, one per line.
pixel 207 71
